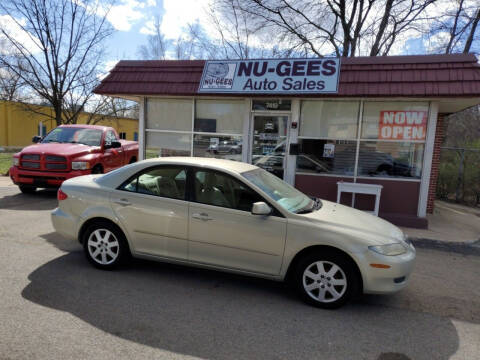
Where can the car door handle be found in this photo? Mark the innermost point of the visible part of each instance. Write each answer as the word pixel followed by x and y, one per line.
pixel 202 216
pixel 123 202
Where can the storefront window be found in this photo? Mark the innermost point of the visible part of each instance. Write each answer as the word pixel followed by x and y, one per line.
pixel 169 114
pixel 326 157
pixel 160 144
pixel 229 147
pixel 329 119
pixel 394 120
pixel 328 138
pixel 390 159
pixel 219 116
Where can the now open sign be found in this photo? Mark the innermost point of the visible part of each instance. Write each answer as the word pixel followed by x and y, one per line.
pixel 402 125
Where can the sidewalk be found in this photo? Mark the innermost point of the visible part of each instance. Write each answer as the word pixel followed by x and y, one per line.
pixel 450 222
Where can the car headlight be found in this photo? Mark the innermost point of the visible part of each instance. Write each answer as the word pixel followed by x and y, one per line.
pixel 16 161
pixel 80 165
pixel 389 250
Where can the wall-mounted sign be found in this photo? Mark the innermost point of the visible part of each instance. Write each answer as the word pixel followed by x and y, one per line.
pixel 328 150
pixel 287 76
pixel 272 104
pixel 402 125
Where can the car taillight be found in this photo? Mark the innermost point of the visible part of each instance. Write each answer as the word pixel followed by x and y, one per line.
pixel 61 195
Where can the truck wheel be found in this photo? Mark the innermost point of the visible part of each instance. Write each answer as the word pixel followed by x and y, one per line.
pixel 133 160
pixel 27 189
pixel 97 169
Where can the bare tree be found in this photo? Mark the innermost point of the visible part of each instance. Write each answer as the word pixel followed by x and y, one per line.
pixel 11 85
pixel 460 24
pixel 106 107
pixel 338 27
pixel 62 65
pixel 156 47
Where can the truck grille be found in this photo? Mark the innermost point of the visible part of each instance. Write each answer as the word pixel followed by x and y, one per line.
pixel 34 157
pixel 55 158
pixel 56 166
pixel 31 165
pixel 44 162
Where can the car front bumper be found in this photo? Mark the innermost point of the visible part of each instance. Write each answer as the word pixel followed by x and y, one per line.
pixel 43 179
pixel 386 280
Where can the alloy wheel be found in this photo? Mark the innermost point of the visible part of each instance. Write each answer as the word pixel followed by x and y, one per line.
pixel 103 246
pixel 324 281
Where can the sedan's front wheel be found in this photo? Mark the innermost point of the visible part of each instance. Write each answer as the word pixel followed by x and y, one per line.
pixel 326 279
pixel 105 245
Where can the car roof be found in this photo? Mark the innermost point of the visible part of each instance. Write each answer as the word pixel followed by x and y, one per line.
pixel 86 126
pixel 220 164
pixel 118 176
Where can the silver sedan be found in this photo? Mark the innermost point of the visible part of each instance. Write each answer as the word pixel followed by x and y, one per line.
pixel 234 217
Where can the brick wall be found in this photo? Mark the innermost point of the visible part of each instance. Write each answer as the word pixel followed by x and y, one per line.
pixel 439 134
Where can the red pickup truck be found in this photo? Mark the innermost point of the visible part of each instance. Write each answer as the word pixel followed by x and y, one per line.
pixel 68 151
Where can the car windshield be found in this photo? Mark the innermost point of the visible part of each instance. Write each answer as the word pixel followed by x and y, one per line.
pixel 74 135
pixel 284 194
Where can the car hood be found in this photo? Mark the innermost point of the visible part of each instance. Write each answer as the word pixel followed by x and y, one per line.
pixel 60 149
pixel 348 218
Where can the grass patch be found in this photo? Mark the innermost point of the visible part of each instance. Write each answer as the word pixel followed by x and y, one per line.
pixel 5 162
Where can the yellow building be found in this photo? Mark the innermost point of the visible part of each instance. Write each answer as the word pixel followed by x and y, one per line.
pixel 18 126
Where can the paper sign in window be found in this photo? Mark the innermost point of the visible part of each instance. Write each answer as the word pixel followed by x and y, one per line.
pixel 402 125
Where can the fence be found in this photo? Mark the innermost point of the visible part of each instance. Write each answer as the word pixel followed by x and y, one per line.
pixel 459 175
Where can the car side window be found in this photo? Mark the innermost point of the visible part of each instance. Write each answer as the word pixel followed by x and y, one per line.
pixel 169 182
pixel 215 188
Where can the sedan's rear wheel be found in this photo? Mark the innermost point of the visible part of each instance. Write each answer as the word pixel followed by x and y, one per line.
pixel 105 245
pixel 326 280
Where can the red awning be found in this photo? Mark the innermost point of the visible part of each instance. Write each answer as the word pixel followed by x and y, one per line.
pixel 453 75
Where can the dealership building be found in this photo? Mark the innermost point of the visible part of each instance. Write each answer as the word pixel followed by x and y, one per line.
pixel 365 131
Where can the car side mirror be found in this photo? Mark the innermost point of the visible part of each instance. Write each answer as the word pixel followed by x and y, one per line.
pixel 260 208
pixel 36 139
pixel 113 145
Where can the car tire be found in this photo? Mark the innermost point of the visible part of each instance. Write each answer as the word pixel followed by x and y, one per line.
pixel 105 245
pixel 326 279
pixel 97 169
pixel 27 189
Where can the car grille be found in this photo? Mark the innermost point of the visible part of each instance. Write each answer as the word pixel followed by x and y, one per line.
pixel 44 162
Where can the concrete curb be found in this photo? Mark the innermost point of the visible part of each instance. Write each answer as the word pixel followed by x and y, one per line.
pixel 465 248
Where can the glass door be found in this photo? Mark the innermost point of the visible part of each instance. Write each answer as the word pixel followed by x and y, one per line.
pixel 269 143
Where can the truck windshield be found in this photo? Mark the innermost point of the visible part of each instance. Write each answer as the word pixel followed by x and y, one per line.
pixel 284 194
pixel 74 135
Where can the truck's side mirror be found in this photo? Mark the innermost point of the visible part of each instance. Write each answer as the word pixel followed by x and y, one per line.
pixel 36 139
pixel 113 145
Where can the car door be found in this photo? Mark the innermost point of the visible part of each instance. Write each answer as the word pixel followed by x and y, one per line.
pixel 223 231
pixel 113 157
pixel 152 207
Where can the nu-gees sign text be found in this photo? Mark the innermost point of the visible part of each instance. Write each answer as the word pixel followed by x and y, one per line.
pixel 271 76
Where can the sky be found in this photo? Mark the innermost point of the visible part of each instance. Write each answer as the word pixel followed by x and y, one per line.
pixel 133 20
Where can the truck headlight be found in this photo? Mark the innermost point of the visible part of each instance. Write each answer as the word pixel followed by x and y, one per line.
pixel 80 165
pixel 389 250
pixel 16 161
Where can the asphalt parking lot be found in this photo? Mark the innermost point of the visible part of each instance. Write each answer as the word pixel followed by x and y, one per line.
pixel 54 305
